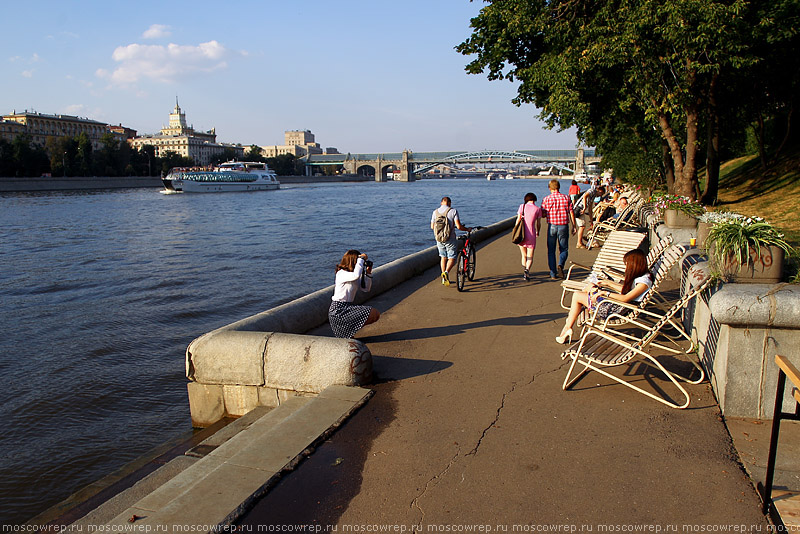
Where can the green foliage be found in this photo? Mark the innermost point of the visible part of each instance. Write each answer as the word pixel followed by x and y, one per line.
pixel 285 165
pixel 624 69
pixel 254 153
pixel 742 240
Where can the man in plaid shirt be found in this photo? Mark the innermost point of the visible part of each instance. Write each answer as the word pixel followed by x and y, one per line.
pixel 558 209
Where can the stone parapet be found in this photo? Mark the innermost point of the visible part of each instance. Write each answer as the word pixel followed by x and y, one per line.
pixel 263 359
pixel 740 328
pixel 232 372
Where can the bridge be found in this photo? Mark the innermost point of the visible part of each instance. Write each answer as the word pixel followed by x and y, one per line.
pixel 411 164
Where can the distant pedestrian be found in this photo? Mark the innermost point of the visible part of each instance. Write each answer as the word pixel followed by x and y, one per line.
pixel 558 209
pixel 353 273
pixel 444 222
pixel 574 192
pixel 584 209
pixel 532 215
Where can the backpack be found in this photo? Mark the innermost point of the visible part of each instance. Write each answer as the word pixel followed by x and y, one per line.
pixel 580 206
pixel 441 227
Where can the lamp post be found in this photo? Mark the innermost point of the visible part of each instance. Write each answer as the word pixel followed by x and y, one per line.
pixel 64 164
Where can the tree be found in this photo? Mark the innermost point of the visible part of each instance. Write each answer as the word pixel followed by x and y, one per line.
pixel 662 59
pixel 284 165
pixel 254 154
pixel 227 154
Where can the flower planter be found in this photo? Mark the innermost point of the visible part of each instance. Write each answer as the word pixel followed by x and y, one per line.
pixel 765 270
pixel 678 219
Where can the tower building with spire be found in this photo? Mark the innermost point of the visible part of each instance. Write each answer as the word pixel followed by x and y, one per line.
pixel 184 140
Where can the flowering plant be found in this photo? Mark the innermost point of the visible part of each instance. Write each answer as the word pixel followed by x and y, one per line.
pixel 715 217
pixel 678 203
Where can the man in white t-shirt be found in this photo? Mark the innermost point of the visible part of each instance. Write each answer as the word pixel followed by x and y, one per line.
pixel 448 250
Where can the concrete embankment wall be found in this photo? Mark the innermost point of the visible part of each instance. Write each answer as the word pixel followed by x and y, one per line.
pixel 78 183
pixel 264 359
pixel 72 183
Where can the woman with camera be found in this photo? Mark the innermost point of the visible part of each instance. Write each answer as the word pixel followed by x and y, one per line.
pixel 354 272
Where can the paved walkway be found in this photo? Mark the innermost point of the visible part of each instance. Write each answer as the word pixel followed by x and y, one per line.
pixel 469 426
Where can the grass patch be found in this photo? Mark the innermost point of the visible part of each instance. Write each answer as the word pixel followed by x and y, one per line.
pixel 773 194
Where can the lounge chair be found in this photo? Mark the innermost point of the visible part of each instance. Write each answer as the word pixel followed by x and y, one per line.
pixel 597 350
pixel 620 221
pixel 660 271
pixel 609 259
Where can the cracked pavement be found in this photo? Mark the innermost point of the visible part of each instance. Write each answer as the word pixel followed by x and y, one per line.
pixel 469 425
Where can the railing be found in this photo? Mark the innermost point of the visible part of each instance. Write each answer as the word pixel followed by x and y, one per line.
pixel 785 368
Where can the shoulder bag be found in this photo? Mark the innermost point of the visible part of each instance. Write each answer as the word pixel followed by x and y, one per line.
pixel 518 234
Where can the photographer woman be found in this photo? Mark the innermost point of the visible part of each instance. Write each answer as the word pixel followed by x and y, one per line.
pixel 352 273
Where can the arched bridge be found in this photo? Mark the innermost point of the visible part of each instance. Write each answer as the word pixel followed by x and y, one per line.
pixel 408 164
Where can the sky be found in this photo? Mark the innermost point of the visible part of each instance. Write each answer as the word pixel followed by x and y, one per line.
pixel 362 75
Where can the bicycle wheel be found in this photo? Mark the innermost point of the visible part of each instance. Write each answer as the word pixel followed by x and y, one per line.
pixel 461 271
pixel 471 264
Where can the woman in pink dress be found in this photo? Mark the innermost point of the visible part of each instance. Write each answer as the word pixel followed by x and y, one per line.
pixel 533 217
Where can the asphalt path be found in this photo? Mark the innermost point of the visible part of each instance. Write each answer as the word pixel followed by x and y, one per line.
pixel 470 431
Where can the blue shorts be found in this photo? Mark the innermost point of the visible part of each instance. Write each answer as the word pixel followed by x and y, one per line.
pixel 447 250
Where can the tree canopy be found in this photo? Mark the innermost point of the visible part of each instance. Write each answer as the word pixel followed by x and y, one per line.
pixel 642 78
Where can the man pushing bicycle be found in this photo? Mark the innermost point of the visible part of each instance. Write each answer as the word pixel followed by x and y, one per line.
pixel 444 221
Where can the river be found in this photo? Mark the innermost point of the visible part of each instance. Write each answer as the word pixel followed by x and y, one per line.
pixel 101 292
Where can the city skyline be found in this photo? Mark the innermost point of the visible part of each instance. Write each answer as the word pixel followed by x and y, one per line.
pixel 363 76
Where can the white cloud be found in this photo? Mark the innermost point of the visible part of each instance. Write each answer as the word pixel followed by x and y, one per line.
pixel 27 73
pixel 165 63
pixel 157 31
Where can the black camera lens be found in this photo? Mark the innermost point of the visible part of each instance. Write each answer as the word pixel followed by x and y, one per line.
pixel 367 263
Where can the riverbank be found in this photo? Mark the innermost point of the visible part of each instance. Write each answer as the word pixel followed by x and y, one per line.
pixel 76 183
pixel 468 426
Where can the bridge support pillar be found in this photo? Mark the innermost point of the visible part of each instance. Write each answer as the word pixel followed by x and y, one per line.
pixel 405 173
pixel 580 162
pixel 379 171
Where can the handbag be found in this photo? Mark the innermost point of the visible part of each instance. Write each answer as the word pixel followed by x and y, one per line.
pixel 518 234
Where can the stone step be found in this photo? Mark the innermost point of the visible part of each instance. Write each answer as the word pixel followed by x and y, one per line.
pixel 217 488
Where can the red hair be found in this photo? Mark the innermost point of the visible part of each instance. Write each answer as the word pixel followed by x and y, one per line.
pixel 635 266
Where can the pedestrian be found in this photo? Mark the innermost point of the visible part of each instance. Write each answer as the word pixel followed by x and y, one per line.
pixel 558 210
pixel 444 221
pixel 574 191
pixel 584 208
pixel 637 282
pixel 353 274
pixel 532 215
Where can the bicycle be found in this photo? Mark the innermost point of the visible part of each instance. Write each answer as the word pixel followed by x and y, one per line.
pixel 465 261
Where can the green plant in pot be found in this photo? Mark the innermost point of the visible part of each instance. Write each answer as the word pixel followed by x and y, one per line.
pixel 747 249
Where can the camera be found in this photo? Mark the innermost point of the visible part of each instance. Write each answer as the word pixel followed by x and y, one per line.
pixel 367 266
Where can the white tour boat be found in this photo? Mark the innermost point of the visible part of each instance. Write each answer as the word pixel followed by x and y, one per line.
pixel 230 176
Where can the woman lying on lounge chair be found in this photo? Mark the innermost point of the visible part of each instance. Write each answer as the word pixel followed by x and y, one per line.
pixel 637 282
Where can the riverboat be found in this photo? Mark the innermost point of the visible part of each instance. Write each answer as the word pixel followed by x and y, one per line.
pixel 230 176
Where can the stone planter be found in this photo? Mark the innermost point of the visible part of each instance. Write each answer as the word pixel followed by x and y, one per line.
pixel 703 228
pixel 768 269
pixel 678 219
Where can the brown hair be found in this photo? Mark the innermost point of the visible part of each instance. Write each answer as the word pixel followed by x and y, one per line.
pixel 349 260
pixel 635 266
pixel 554 185
pixel 530 197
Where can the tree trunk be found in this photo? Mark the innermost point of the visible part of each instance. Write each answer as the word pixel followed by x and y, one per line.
pixel 788 131
pixel 669 169
pixel 762 154
pixel 686 181
pixel 709 196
